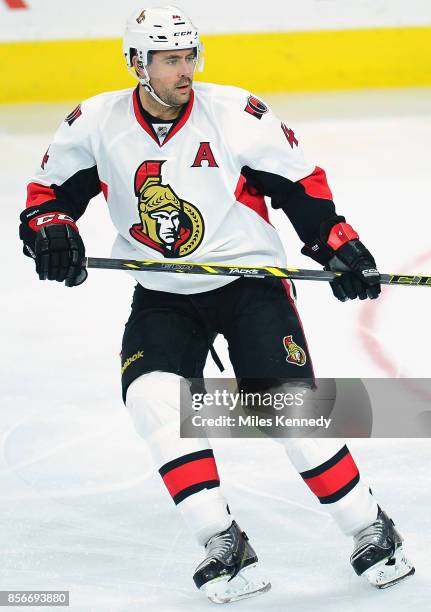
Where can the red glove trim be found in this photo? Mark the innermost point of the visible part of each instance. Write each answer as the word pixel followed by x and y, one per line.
pixel 51 218
pixel 340 234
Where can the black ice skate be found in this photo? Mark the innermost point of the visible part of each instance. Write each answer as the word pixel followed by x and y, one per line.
pixel 228 572
pixel 378 554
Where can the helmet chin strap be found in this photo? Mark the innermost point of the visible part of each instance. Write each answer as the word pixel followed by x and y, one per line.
pixel 145 82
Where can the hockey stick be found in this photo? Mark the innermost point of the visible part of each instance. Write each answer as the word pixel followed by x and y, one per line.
pixel 187 267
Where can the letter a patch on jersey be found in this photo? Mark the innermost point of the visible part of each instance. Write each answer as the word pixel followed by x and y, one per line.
pixel 205 154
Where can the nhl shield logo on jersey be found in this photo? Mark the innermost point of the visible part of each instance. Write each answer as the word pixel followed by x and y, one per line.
pixel 295 354
pixel 169 224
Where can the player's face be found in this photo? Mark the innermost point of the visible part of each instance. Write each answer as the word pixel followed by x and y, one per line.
pixel 171 75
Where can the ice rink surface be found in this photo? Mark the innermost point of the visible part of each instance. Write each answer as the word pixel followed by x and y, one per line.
pixel 81 508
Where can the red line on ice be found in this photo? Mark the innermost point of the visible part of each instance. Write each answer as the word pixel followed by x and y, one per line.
pixel 368 325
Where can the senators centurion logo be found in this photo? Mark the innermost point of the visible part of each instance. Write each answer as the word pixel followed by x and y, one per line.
pixel 169 224
pixel 295 354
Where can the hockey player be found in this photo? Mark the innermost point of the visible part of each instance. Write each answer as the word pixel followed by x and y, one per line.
pixel 185 169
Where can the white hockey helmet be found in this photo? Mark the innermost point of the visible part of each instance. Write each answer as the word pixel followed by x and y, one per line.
pixel 158 29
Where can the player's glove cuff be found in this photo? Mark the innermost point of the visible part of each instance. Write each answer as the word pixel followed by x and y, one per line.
pixel 34 218
pixel 333 233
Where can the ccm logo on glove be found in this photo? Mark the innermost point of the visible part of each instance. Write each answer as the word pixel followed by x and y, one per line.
pixel 48 219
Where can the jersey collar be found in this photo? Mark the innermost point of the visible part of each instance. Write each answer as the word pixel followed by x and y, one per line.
pixel 177 123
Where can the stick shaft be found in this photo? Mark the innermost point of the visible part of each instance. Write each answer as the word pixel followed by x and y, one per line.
pixel 244 271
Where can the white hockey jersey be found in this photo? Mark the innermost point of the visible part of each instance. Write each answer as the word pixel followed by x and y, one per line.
pixel 182 197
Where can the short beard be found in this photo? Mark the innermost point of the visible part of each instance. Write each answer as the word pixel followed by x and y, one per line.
pixel 171 99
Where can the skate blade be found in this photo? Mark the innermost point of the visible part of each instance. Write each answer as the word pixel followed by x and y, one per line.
pixel 247 583
pixel 390 571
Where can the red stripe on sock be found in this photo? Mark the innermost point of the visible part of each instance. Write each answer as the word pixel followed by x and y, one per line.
pixel 334 478
pixel 190 474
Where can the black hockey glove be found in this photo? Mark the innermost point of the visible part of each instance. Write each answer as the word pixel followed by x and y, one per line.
pixel 53 241
pixel 339 249
pixel 360 277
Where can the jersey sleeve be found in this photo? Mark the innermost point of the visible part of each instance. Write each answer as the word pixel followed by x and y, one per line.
pixel 273 164
pixel 67 178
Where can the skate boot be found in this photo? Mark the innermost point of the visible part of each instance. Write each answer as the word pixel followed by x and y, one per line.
pixel 379 555
pixel 229 572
